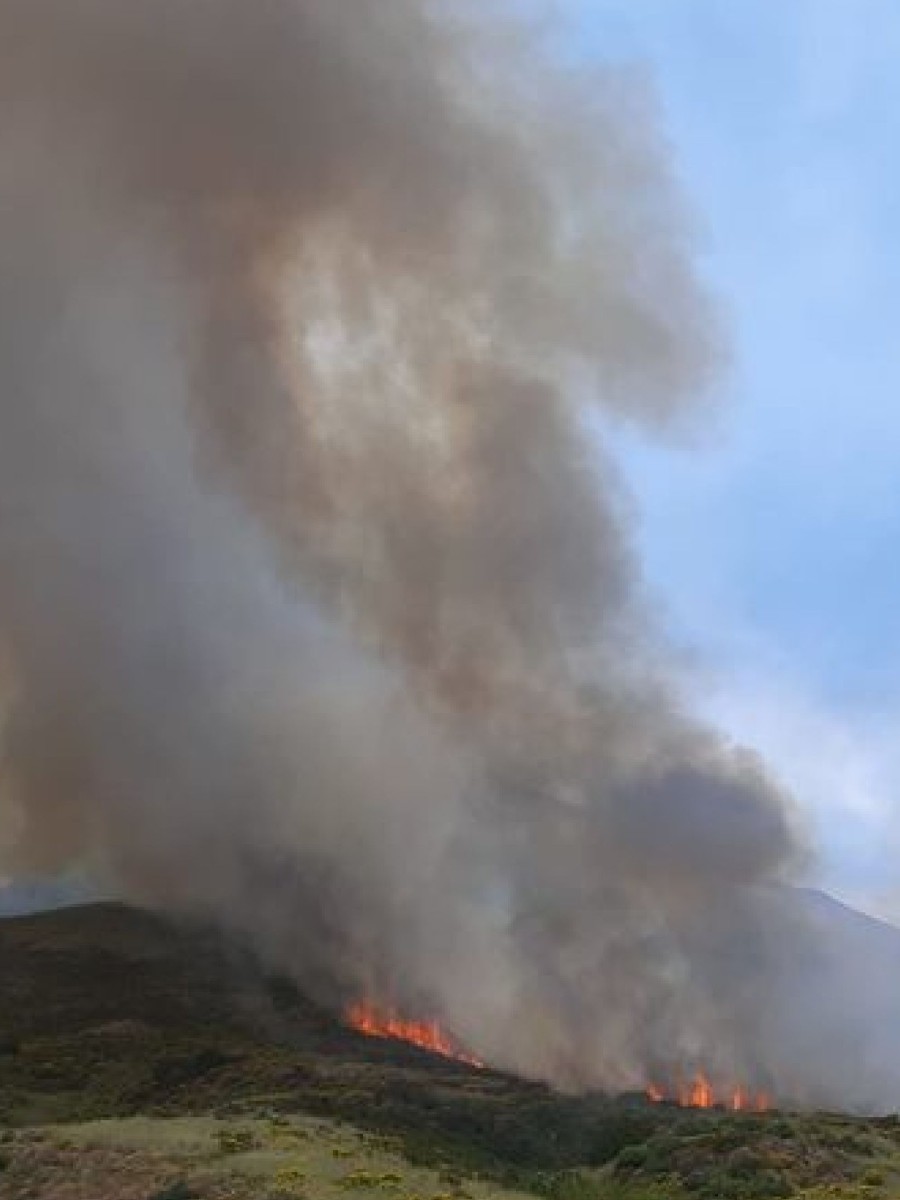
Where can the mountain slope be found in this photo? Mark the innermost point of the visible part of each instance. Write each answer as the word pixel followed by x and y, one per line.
pixel 180 1040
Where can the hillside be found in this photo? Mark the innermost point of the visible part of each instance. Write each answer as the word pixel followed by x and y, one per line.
pixel 135 1051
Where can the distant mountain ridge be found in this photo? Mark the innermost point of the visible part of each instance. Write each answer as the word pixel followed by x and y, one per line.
pixel 26 896
pixel 822 906
pixel 21 898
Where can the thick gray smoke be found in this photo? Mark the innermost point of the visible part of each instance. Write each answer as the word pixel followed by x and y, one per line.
pixel 316 608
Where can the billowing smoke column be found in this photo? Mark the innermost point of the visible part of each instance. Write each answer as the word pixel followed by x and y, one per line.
pixel 316 611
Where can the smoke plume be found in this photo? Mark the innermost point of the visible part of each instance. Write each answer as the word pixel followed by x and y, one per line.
pixel 318 611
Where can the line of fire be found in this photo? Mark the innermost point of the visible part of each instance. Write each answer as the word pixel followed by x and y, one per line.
pixel 694 1091
pixel 376 1020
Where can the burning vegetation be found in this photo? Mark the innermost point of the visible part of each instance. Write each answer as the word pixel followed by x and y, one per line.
pixel 700 1092
pixel 696 1091
pixel 376 1020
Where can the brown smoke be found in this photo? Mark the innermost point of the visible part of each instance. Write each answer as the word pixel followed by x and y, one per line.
pixel 317 604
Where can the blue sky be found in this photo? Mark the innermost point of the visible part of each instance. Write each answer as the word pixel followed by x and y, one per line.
pixel 773 543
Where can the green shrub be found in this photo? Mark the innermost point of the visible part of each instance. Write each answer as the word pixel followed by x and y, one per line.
pixel 632 1158
pixel 290 1181
pixel 564 1185
pixel 855 1143
pixel 179 1190
pixel 236 1141
pixel 451 1177
pixel 358 1179
pixel 722 1185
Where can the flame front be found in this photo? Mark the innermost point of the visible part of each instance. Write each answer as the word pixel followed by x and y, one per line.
pixel 377 1021
pixel 699 1092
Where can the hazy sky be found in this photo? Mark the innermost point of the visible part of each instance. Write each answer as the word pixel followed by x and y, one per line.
pixel 773 547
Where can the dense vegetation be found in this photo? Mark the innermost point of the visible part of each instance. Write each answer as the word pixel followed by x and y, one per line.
pixel 111 1015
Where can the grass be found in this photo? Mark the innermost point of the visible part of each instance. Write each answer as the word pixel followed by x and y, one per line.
pixel 184 1156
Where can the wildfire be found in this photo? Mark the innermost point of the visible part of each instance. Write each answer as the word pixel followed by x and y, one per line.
pixel 377 1021
pixel 700 1093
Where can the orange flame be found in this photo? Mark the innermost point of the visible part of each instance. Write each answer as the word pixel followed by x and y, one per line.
pixel 375 1021
pixel 700 1093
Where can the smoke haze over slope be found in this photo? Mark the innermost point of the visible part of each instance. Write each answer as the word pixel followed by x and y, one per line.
pixel 317 603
